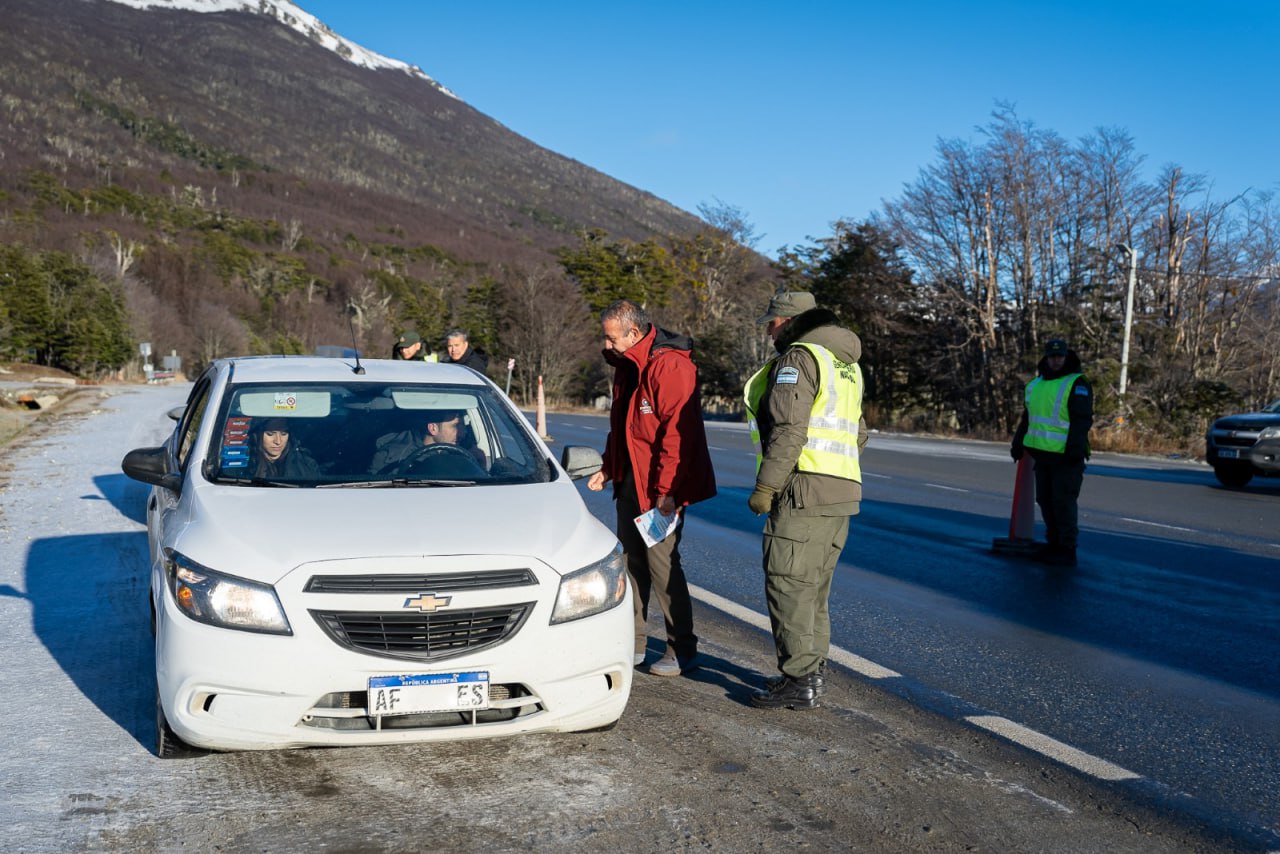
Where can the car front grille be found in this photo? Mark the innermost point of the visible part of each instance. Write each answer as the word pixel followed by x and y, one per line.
pixel 424 637
pixel 440 582
pixel 1234 438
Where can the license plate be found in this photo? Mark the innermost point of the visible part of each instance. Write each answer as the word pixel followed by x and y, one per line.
pixel 1228 453
pixel 428 692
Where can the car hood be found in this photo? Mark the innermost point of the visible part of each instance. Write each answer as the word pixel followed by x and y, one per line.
pixel 262 534
pixel 1248 421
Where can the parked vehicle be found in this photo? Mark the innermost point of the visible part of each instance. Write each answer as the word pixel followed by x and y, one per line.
pixel 1242 446
pixel 462 591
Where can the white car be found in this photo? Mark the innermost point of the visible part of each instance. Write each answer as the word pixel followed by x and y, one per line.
pixel 350 552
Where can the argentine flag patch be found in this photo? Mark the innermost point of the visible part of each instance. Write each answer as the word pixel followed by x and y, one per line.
pixel 1081 390
pixel 788 376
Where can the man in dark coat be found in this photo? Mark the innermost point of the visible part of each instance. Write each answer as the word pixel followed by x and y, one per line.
pixel 458 350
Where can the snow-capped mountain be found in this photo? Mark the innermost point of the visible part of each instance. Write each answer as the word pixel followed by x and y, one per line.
pixel 296 19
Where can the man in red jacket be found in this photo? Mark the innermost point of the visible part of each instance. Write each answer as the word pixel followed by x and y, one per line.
pixel 656 456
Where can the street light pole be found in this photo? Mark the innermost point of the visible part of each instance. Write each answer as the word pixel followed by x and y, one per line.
pixel 1128 313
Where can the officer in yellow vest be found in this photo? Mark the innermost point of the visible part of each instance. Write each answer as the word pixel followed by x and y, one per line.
pixel 1056 418
pixel 409 347
pixel 805 410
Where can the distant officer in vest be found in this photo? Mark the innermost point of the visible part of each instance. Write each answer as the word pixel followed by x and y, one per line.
pixel 409 347
pixel 1056 418
pixel 805 410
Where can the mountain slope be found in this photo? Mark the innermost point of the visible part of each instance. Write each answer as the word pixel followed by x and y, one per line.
pixel 85 74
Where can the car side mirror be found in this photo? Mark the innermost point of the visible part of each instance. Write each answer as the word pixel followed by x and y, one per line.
pixel 176 413
pixel 579 461
pixel 151 465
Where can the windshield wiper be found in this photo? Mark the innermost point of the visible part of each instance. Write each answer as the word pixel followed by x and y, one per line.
pixel 259 481
pixel 394 483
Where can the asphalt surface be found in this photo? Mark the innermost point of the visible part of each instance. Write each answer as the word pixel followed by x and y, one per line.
pixel 691 765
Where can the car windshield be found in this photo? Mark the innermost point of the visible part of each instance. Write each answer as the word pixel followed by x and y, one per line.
pixel 369 435
pixel 1273 406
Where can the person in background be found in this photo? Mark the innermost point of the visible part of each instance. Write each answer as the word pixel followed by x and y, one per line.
pixel 458 351
pixel 1057 415
pixel 274 457
pixel 656 455
pixel 805 409
pixel 409 347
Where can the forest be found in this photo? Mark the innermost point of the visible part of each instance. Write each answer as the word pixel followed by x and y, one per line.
pixel 123 221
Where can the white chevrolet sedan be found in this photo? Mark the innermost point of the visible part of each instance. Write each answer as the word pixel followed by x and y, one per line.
pixel 375 552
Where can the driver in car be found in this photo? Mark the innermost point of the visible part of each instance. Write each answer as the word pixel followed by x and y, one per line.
pixel 441 428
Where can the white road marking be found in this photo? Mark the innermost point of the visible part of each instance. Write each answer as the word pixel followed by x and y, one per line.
pixel 1157 524
pixel 856 663
pixel 948 488
pixel 880 476
pixel 1038 742
pixel 1051 747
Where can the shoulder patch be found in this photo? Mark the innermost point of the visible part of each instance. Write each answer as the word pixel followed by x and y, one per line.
pixel 787 376
pixel 1081 390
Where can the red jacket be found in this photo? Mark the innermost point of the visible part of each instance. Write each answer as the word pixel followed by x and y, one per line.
pixel 655 425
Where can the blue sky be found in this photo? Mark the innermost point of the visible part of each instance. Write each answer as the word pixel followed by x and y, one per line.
pixel 800 113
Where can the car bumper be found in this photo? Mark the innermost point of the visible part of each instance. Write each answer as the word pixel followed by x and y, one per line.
pixel 1263 456
pixel 223 689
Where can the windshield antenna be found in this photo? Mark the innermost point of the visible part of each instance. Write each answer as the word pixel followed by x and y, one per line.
pixel 355 346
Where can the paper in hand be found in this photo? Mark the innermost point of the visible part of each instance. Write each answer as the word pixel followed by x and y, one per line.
pixel 654 527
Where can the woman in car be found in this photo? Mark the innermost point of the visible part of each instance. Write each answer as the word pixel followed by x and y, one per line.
pixel 275 458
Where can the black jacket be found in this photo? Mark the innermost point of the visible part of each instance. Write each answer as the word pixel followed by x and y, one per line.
pixel 1079 412
pixel 473 358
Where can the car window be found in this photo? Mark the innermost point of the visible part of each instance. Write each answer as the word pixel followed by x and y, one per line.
pixel 368 434
pixel 192 418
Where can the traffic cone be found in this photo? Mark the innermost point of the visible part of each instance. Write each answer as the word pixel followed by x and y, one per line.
pixel 541 422
pixel 1022 516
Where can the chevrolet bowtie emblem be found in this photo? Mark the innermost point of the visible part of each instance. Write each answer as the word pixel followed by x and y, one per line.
pixel 428 602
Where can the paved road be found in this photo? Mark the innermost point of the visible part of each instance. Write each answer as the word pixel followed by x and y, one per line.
pixel 691 766
pixel 1160 654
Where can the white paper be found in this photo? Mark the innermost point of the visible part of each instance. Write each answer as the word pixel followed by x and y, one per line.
pixel 654 527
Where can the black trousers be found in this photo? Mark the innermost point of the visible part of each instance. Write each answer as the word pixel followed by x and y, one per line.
pixel 1058 492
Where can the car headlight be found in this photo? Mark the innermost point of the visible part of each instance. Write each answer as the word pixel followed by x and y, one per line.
pixel 1270 433
pixel 218 599
pixel 592 589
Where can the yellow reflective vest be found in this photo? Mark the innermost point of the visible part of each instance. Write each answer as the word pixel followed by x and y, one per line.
pixel 1047 419
pixel 831 444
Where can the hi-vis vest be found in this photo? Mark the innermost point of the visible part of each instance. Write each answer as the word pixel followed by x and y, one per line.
pixel 831 446
pixel 1047 419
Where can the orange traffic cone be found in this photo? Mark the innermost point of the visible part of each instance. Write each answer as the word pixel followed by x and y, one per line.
pixel 1022 516
pixel 540 419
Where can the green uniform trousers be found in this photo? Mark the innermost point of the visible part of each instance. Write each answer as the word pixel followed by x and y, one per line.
pixel 800 555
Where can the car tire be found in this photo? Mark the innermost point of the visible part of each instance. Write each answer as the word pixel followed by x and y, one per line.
pixel 606 728
pixel 1233 475
pixel 168 745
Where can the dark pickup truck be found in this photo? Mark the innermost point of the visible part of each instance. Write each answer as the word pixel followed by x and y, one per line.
pixel 1241 446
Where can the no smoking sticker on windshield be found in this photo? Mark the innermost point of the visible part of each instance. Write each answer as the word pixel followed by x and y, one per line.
pixel 286 400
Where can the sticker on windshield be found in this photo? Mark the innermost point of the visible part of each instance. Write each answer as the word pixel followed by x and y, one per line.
pixel 286 400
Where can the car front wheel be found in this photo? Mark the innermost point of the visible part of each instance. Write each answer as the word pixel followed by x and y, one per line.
pixel 168 745
pixel 1233 474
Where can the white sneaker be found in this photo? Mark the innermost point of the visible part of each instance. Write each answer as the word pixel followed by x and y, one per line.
pixel 637 659
pixel 670 665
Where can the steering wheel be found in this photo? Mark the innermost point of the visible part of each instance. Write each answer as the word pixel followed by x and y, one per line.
pixel 441 461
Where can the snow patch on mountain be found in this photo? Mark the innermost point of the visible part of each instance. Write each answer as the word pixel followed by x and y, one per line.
pixel 295 18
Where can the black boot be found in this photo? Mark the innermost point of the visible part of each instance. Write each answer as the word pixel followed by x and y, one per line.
pixel 1058 556
pixel 819 680
pixel 791 692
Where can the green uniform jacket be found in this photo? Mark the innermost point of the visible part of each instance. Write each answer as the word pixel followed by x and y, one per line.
pixel 784 421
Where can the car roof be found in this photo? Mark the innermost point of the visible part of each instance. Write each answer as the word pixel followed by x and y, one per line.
pixel 327 369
